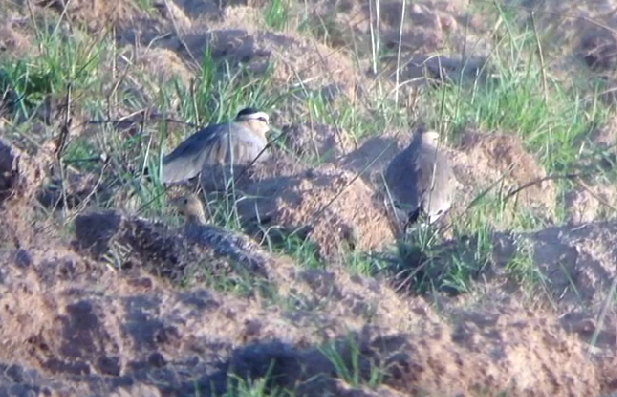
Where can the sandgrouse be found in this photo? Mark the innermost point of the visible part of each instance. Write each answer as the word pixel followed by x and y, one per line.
pixel 222 242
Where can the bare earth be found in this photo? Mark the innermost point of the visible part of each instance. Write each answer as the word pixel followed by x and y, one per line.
pixel 71 325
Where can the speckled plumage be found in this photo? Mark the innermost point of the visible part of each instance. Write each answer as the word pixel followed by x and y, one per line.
pixel 222 242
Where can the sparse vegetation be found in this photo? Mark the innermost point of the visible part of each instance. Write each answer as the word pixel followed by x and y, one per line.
pixel 352 306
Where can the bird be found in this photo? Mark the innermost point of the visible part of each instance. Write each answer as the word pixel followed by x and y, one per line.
pixel 222 242
pixel 237 142
pixel 420 179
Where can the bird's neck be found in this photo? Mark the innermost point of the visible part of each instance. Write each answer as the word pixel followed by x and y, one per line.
pixel 257 128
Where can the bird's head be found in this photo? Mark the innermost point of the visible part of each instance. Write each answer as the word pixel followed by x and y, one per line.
pixel 190 207
pixel 258 122
pixel 430 137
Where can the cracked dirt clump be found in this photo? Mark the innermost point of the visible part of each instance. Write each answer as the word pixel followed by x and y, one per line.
pixel 199 251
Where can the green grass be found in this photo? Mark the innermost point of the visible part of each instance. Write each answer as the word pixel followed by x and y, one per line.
pixel 256 388
pixel 277 14
pixel 62 62
pixel 350 362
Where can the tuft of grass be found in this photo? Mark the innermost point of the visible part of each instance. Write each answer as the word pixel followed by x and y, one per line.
pixel 239 387
pixel 361 263
pixel 145 5
pixel 324 28
pixel 427 264
pixel 522 268
pixel 219 92
pixel 295 244
pixel 278 14
pixel 238 282
pixel 62 61
pixel 351 365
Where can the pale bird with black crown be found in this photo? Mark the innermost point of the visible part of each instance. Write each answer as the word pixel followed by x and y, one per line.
pixel 241 141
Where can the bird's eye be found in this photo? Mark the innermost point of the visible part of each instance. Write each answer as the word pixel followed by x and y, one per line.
pixel 186 201
pixel 262 118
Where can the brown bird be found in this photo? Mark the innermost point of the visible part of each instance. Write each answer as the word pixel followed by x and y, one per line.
pixel 222 242
pixel 237 142
pixel 420 179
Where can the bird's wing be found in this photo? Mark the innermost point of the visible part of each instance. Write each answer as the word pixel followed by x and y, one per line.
pixel 239 145
pixel 402 177
pixel 188 159
pixel 426 160
pixel 405 176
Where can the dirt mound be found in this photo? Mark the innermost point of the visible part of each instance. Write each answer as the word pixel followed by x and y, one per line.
pixel 134 330
pixel 573 259
pixel 568 268
pixel 162 65
pixel 100 15
pixel 16 37
pixel 373 155
pixel 167 252
pixel 317 141
pixel 333 207
pixel 296 59
pixel 501 159
pixel 123 330
pixel 20 177
pixel 588 203
pixel 423 29
pixel 593 196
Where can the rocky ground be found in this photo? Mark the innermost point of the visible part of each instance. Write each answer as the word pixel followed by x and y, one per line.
pixel 512 296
